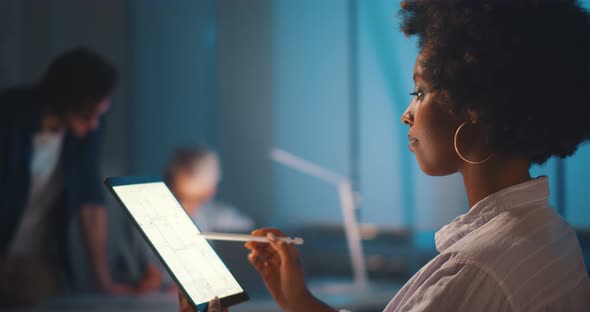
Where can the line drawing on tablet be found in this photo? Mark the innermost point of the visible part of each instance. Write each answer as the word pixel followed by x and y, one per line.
pixel 174 235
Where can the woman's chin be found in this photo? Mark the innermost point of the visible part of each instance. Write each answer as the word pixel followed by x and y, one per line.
pixel 435 169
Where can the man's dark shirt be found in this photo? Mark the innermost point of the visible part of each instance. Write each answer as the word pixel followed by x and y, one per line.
pixel 20 119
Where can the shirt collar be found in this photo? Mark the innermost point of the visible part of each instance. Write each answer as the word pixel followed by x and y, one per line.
pixel 533 191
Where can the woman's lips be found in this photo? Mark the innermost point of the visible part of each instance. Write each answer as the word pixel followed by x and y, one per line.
pixel 412 141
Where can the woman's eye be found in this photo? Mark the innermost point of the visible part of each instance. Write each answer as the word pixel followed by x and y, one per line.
pixel 419 94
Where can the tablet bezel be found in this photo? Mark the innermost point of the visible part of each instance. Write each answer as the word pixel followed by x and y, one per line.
pixel 131 180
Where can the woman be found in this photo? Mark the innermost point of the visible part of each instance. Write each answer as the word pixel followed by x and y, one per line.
pixel 499 85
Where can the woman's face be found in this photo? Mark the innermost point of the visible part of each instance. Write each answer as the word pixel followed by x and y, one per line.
pixel 432 128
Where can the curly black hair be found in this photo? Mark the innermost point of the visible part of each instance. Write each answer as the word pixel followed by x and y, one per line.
pixel 76 81
pixel 522 65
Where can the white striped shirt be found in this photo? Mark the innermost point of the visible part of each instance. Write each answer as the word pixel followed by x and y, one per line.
pixel 510 252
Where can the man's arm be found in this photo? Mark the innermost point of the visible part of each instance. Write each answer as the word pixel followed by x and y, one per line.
pixel 93 221
pixel 93 215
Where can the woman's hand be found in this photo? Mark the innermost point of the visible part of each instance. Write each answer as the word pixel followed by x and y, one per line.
pixel 186 306
pixel 279 265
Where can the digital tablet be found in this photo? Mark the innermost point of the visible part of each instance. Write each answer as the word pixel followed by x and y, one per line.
pixel 172 234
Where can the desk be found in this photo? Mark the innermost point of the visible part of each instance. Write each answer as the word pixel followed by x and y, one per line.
pixel 374 299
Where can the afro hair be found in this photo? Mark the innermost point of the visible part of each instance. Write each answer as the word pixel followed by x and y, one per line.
pixel 522 65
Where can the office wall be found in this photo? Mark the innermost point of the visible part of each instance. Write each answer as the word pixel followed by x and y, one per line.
pixel 577 201
pixel 11 43
pixel 285 72
pixel 312 110
pixel 173 61
pixel 245 104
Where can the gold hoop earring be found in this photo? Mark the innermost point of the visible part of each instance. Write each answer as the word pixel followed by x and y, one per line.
pixel 457 146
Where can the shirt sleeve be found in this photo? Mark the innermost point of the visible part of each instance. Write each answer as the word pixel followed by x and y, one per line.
pixel 458 287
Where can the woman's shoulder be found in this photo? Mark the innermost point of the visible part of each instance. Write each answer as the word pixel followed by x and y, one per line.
pixel 519 231
pixel 519 235
pixel 525 250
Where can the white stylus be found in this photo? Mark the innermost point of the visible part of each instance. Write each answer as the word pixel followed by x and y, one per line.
pixel 248 238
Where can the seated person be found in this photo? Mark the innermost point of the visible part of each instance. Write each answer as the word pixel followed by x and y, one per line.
pixel 193 174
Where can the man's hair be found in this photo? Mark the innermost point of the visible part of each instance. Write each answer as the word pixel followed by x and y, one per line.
pixel 76 81
pixel 523 65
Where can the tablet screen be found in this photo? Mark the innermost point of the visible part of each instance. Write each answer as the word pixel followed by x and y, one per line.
pixel 172 233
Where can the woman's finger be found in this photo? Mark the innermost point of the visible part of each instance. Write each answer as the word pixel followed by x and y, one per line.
pixel 262 232
pixel 256 261
pixel 259 247
pixel 272 257
pixel 269 256
pixel 214 305
pixel 293 251
pixel 265 254
pixel 281 247
pixel 183 303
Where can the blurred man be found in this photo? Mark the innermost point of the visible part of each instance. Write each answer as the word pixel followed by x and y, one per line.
pixel 50 137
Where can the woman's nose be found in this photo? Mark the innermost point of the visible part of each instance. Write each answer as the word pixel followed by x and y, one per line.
pixel 408 117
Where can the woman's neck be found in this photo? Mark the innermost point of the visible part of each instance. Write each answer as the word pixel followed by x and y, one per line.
pixel 488 178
